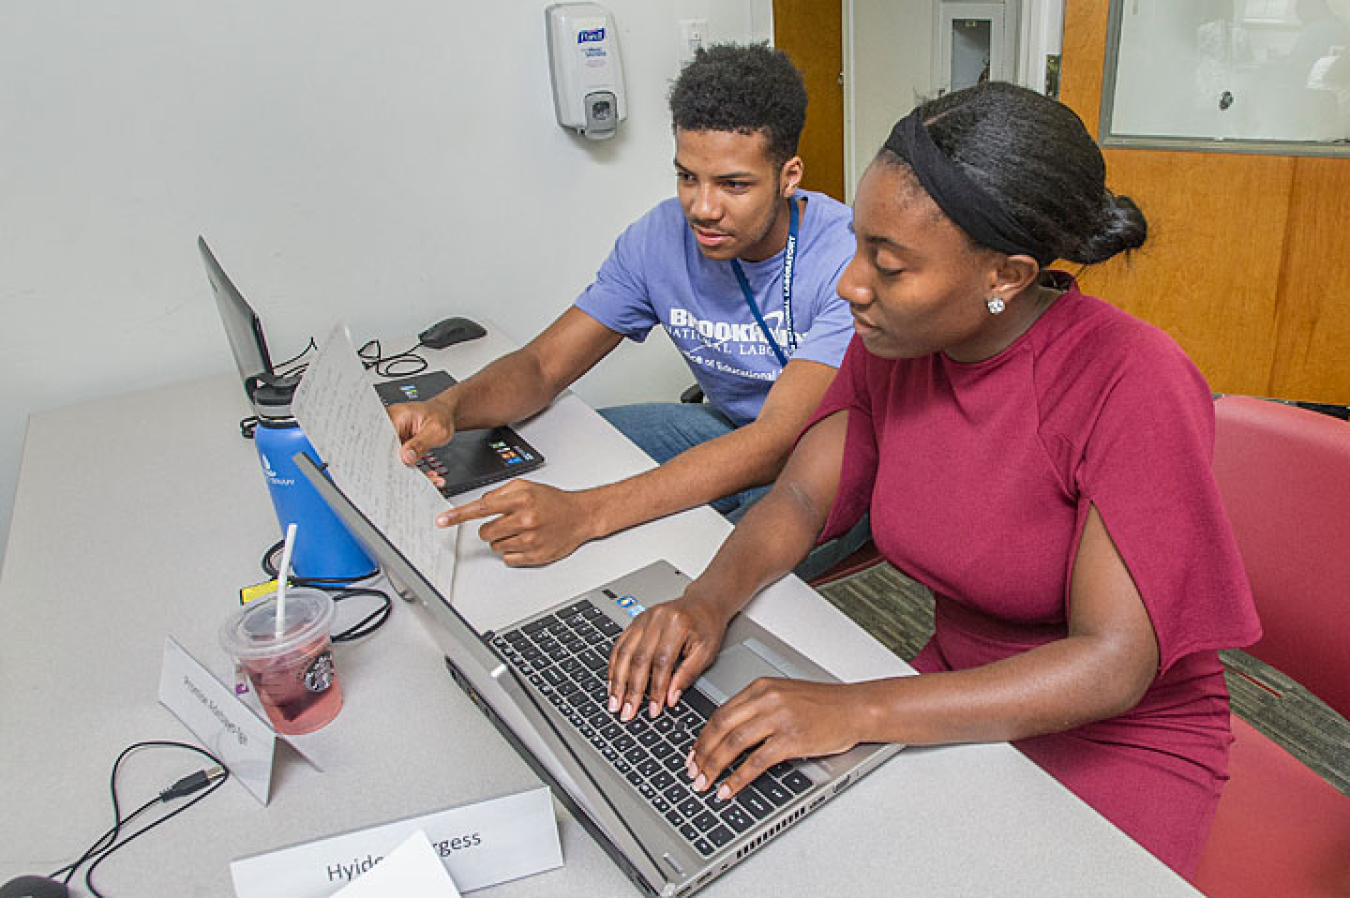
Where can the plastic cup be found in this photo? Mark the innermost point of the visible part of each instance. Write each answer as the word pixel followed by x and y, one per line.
pixel 292 674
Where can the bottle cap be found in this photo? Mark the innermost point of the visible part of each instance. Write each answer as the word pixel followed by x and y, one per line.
pixel 272 395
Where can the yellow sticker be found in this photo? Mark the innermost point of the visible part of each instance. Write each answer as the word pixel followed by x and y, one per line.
pixel 249 593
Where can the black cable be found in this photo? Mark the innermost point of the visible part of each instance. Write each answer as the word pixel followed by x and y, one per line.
pixel 392 366
pixel 339 589
pixel 281 369
pixel 209 780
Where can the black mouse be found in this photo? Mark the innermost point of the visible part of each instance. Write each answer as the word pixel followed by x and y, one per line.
pixel 34 887
pixel 449 332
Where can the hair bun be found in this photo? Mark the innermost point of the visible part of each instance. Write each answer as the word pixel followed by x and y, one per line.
pixel 1123 227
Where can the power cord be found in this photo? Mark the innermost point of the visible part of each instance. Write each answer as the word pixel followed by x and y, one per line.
pixel 208 779
pixel 400 364
pixel 290 368
pixel 340 589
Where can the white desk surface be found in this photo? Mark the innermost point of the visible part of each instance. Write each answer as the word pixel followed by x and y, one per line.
pixel 140 516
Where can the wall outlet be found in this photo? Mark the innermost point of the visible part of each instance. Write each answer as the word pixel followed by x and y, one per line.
pixel 693 37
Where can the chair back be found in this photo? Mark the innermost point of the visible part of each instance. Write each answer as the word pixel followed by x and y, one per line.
pixel 1284 474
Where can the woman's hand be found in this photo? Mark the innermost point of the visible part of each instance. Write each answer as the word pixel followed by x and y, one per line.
pixel 774 720
pixel 662 652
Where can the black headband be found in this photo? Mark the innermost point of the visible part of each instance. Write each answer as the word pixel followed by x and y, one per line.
pixel 961 199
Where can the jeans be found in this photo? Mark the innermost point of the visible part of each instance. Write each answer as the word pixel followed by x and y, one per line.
pixel 665 429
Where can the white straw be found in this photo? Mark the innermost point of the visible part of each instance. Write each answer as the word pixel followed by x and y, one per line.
pixel 282 573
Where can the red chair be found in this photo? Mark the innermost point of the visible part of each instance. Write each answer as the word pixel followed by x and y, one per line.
pixel 1284 473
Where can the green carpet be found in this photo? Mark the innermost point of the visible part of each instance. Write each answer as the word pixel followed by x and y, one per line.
pixel 898 612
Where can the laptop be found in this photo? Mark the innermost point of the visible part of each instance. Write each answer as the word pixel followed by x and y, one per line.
pixel 473 459
pixel 541 681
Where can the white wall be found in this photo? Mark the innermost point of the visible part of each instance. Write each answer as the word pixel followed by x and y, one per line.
pixel 382 163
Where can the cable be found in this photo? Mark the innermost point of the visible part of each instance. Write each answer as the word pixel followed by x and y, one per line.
pixel 208 779
pixel 340 589
pixel 370 355
pixel 282 369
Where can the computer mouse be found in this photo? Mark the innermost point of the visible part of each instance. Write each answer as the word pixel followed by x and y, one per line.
pixel 449 332
pixel 34 887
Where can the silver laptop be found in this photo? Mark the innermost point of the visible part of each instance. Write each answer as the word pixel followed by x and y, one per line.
pixel 542 683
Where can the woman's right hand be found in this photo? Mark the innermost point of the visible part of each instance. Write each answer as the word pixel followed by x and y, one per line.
pixel 663 652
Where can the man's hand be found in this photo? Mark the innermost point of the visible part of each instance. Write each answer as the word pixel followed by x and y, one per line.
pixel 421 427
pixel 775 720
pixel 532 524
pixel 662 652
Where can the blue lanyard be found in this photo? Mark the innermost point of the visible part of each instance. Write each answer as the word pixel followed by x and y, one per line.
pixel 789 254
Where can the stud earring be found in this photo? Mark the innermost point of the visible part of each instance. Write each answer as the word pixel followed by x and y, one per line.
pixel 996 305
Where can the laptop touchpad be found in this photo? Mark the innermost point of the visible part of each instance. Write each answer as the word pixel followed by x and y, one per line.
pixel 737 667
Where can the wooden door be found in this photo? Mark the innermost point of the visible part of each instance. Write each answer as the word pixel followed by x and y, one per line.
pixel 1247 264
pixel 811 32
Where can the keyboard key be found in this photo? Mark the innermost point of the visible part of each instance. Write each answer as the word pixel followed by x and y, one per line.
pixel 776 794
pixel 704 847
pixel 737 818
pixel 705 821
pixel 535 626
pixel 719 836
pixel 797 781
pixel 699 702
pixel 750 799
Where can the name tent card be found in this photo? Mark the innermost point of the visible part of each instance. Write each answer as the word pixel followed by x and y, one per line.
pixel 413 868
pixel 228 728
pixel 480 844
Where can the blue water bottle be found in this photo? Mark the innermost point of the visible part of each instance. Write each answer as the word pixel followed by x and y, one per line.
pixel 324 549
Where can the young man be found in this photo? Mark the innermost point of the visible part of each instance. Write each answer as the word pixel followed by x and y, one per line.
pixel 737 230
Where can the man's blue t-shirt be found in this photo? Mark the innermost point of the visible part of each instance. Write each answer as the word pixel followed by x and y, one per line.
pixel 657 275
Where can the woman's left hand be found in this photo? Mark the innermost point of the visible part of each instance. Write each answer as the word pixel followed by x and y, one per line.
pixel 776 720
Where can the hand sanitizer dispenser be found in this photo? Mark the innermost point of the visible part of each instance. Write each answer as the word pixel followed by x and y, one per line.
pixel 583 51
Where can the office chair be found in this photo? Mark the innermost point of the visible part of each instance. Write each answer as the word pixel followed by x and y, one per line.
pixel 1284 474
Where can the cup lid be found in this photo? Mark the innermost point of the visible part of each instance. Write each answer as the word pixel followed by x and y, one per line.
pixel 251 631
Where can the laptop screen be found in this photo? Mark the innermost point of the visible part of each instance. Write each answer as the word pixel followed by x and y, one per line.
pixel 243 328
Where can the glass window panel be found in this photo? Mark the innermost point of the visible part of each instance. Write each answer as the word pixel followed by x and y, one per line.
pixel 1242 75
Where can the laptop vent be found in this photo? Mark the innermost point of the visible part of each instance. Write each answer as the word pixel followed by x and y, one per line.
pixel 770 833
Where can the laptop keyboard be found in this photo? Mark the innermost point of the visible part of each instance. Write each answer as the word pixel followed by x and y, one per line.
pixel 565 656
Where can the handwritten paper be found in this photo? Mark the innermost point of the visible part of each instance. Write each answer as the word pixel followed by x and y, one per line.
pixel 342 416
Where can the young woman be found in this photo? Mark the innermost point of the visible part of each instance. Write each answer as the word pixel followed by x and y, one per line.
pixel 1037 457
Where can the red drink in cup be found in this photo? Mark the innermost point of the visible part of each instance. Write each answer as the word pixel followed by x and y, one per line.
pixel 293 673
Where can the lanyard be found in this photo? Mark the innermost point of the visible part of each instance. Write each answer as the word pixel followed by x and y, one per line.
pixel 789 254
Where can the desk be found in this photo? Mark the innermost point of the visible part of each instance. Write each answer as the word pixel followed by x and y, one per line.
pixel 141 515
